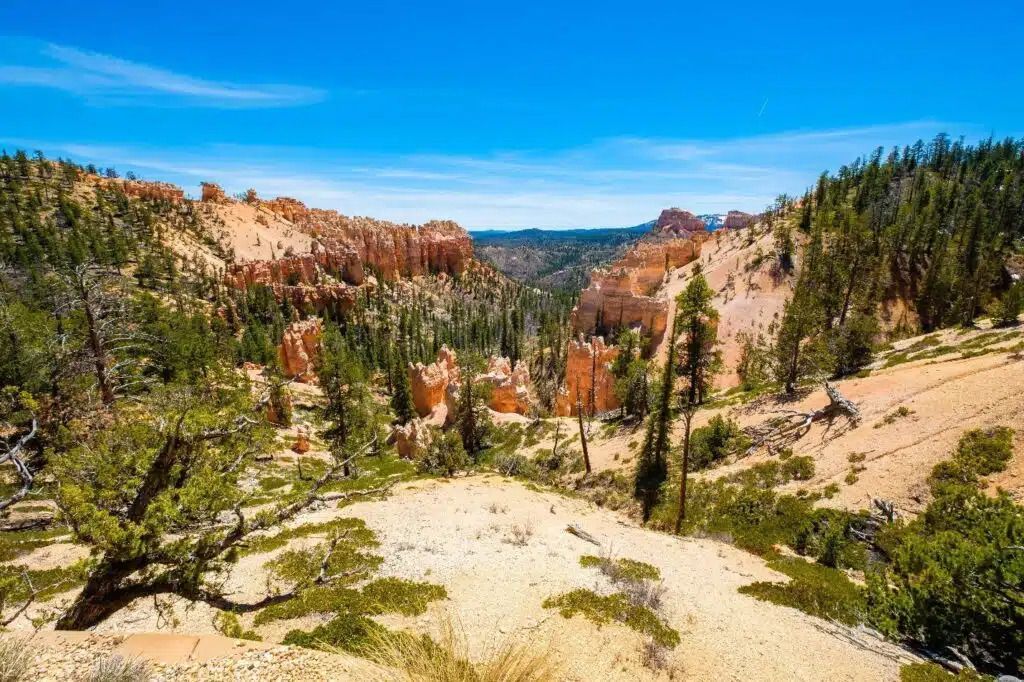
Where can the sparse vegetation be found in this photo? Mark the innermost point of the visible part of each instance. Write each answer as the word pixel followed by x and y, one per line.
pixel 615 607
pixel 116 668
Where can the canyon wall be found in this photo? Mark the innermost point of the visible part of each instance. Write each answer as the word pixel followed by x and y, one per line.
pixel 588 378
pixel 142 189
pixel 623 295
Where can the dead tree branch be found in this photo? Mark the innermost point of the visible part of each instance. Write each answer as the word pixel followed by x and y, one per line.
pixel 790 425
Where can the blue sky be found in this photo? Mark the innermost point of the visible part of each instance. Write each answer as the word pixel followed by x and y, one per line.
pixel 565 114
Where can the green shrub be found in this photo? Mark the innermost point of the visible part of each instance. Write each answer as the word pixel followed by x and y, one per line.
pixel 931 672
pixel 980 452
pixel 814 589
pixel 954 575
pixel 712 443
pixel 446 455
pixel 350 632
pixel 614 607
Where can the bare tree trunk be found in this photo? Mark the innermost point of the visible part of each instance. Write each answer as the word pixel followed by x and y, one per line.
pixel 681 516
pixel 583 435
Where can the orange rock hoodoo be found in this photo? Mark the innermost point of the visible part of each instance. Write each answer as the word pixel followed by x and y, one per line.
pixel 621 296
pixel 588 378
pixel 212 193
pixel 300 348
pixel 437 384
pixel 430 382
pixel 151 191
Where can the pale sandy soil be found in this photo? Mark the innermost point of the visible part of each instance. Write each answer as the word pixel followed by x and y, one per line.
pixel 63 656
pixel 750 302
pixel 457 534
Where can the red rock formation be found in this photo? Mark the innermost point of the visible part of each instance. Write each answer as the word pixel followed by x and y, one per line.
pixel 737 220
pixel 412 439
pixel 212 193
pixel 437 384
pixel 430 382
pixel 301 444
pixel 300 348
pixel 588 378
pixel 621 296
pixel 151 191
pixel 675 221
pixel 394 250
pixel 509 386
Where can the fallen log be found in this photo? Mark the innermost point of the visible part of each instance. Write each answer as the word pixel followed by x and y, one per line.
pixel 791 425
pixel 573 529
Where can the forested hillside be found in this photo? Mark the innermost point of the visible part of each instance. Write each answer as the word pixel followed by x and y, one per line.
pixel 924 237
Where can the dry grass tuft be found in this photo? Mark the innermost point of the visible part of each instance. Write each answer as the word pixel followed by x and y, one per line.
pixel 14 659
pixel 119 669
pixel 407 658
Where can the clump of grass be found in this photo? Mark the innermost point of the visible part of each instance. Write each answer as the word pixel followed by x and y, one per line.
pixel 14 659
pixel 615 607
pixel 621 569
pixel 898 413
pixel 814 589
pixel 446 659
pixel 270 483
pixel 119 669
pixel 520 534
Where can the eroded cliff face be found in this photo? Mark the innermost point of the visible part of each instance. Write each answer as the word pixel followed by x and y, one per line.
pixel 623 295
pixel 151 191
pixel 345 251
pixel 300 349
pixel 588 378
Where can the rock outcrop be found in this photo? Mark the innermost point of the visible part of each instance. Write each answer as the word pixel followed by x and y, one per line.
pixel 435 387
pixel 509 385
pixel 212 193
pixel 737 220
pixel 588 378
pixel 412 439
pixel 429 383
pixel 394 250
pixel 345 250
pixel 622 296
pixel 300 349
pixel 150 191
pixel 679 223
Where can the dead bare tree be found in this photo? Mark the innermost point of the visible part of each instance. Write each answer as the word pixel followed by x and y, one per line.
pixel 109 335
pixel 583 434
pixel 15 455
pixel 791 425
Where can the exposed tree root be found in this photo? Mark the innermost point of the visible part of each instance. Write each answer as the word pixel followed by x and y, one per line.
pixel 789 426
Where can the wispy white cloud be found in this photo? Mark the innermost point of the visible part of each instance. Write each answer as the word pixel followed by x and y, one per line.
pixel 611 182
pixel 108 80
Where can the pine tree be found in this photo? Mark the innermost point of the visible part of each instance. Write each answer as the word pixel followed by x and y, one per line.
pixel 699 362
